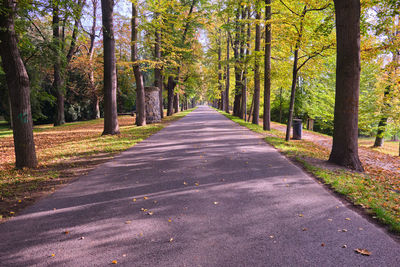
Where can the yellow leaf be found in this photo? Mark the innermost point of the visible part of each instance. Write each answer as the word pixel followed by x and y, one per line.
pixel 364 252
pixel 134 200
pixel 19 200
pixel 196 184
pixel 348 219
pixel 128 222
pixel 150 213
pixel 145 197
pixel 114 262
pixel 169 220
pixel 301 215
pixel 12 213
pixel 53 255
pixel 185 183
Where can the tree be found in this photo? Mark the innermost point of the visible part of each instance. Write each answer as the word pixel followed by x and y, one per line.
pixel 256 96
pixel 110 74
pixel 345 134
pixel 227 84
pixel 18 88
pixel 267 68
pixel 140 99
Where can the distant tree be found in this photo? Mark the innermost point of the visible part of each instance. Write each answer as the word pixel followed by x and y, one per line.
pixel 18 88
pixel 345 134
pixel 110 75
pixel 267 68
pixel 256 96
pixel 140 99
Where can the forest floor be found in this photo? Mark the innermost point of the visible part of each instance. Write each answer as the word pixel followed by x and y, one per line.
pixel 376 191
pixel 64 153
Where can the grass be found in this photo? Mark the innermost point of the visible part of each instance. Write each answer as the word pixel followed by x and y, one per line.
pixel 64 153
pixel 376 194
pixel 389 147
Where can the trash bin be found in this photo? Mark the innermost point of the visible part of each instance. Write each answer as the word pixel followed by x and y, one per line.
pixel 297 127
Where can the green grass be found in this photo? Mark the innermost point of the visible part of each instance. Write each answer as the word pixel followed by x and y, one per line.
pixel 372 192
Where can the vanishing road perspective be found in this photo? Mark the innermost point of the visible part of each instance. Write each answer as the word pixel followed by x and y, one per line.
pixel 203 191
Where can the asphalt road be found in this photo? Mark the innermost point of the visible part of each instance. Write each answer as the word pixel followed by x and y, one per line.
pixel 215 194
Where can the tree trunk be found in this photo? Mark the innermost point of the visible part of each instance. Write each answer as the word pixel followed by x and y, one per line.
pixel 345 134
pixel 176 103
pixel 381 132
pixel 294 74
pixel 238 76
pixel 256 96
pixel 246 60
pixel 110 76
pixel 267 67
pixel 140 99
pixel 157 70
pixel 251 109
pixel 170 88
pixel 10 110
pixel 18 89
pixel 242 67
pixel 92 35
pixel 58 81
pixel 220 87
pixel 227 75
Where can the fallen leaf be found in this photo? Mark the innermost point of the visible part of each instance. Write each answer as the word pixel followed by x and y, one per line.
pixel 348 219
pixel 82 237
pixel 140 234
pixel 155 201
pixel 12 213
pixel 185 183
pixel 344 246
pixel 196 184
pixel 363 252
pixel 52 255
pixel 134 200
pixel 171 239
pixel 344 230
pixel 215 203
pixel 301 215
pixel 128 222
pixel 145 197
pixel 323 245
pixel 271 236
pixel 330 220
pixel 19 200
pixel 222 180
pixel 150 213
pixel 123 255
pixel 304 229
pixel 169 220
pixel 143 209
pixel 361 229
pixel 66 232
pixel 114 262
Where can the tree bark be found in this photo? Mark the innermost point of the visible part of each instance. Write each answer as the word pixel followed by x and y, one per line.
pixel 227 78
pixel 170 88
pixel 345 134
pixel 248 38
pixel 256 96
pixel 140 99
pixel 92 35
pixel 267 67
pixel 157 70
pixel 58 80
pixel 18 88
pixel 110 76
pixel 220 87
pixel 242 67
pixel 176 103
pixel 238 76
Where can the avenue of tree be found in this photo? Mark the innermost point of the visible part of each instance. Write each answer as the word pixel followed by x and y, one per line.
pixel 333 64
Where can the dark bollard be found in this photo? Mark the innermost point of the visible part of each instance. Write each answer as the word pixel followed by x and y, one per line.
pixel 297 129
